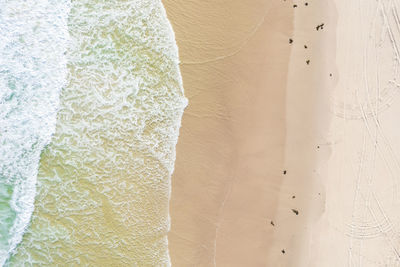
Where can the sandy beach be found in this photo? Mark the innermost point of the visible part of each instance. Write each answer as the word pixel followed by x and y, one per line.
pixel 288 147
pixel 287 153
pixel 361 218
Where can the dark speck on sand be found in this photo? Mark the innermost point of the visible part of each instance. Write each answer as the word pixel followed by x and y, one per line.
pixel 295 211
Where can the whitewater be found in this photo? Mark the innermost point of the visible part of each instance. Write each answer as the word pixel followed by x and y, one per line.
pixel 91 103
pixel 33 69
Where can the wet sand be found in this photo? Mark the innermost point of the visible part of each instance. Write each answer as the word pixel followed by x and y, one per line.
pixel 230 154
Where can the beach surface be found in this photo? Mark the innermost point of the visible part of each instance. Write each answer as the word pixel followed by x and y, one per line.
pixel 361 219
pixel 287 154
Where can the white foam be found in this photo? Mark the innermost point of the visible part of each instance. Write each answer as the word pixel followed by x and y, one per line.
pixel 33 40
pixel 104 182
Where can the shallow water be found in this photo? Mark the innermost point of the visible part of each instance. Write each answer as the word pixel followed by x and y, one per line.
pixel 104 181
pixel 32 72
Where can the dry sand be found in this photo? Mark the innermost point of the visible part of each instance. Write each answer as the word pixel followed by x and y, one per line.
pixel 257 108
pixel 361 178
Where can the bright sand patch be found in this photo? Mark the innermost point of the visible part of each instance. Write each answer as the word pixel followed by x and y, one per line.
pixel 361 179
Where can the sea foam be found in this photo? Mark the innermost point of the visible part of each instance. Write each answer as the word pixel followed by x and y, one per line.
pixel 104 181
pixel 33 39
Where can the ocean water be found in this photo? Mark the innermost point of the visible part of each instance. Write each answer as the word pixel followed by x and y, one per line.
pixel 103 181
pixel 33 71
